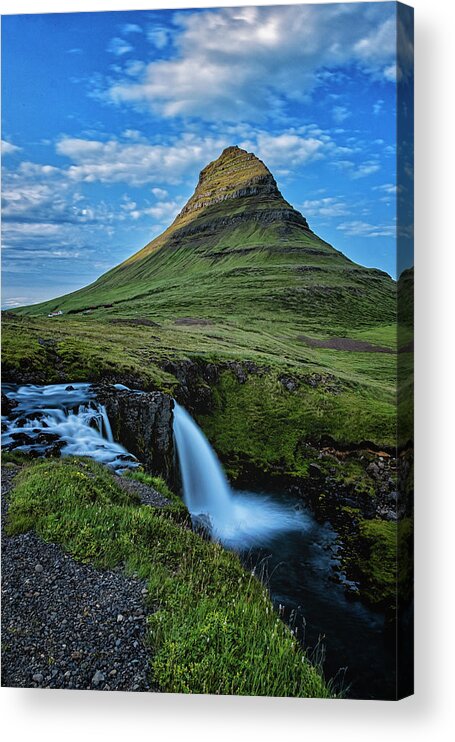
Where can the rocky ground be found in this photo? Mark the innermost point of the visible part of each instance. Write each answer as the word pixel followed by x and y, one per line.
pixel 69 625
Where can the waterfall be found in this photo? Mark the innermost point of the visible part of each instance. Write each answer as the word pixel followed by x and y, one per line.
pixel 106 423
pixel 240 520
pixel 65 418
pixel 205 487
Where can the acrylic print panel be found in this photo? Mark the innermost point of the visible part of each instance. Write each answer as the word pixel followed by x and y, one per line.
pixel 207 478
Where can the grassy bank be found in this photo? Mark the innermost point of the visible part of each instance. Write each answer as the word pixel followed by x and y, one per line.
pixel 213 628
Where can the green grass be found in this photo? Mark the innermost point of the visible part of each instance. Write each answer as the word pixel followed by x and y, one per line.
pixel 262 423
pixel 83 349
pixel 386 560
pixel 379 565
pixel 214 629
pixel 259 283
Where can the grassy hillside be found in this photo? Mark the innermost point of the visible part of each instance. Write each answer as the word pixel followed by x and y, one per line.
pixel 238 276
pixel 242 253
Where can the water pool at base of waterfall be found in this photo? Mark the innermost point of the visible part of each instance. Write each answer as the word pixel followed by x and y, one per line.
pixel 300 566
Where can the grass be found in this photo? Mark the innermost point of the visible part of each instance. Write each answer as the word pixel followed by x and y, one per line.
pixel 213 629
pixel 262 423
pixel 386 561
pixel 259 284
pixel 260 279
pixel 379 565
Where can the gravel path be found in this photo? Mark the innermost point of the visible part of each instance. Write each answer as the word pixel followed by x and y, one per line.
pixel 65 624
pixel 147 495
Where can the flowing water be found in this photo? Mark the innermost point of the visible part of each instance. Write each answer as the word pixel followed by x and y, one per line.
pixel 278 537
pixel 274 535
pixel 66 416
pixel 239 522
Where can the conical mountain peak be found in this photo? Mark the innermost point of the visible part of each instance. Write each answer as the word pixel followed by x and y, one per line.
pixel 235 174
pixel 237 244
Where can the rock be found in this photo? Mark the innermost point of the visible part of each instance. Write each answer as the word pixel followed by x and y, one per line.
pixel 71 618
pixel 22 439
pixel 373 469
pixel 8 405
pixel 39 568
pixel 315 470
pixel 119 618
pixel 290 383
pixel 69 388
pixel 54 449
pixel 142 422
pixel 98 678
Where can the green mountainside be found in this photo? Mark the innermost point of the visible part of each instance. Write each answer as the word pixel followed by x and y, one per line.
pixel 239 249
pixel 238 277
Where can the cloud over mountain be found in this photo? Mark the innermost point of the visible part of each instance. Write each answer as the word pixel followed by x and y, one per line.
pixel 243 63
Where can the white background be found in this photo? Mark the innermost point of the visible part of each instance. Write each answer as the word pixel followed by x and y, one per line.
pixel 86 716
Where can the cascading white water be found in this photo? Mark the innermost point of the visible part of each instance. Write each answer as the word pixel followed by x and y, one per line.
pixel 239 520
pixel 67 414
pixel 205 487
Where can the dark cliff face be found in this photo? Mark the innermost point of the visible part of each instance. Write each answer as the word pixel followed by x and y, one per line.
pixel 142 422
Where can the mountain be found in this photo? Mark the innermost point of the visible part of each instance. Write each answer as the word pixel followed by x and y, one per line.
pixel 244 309
pixel 239 249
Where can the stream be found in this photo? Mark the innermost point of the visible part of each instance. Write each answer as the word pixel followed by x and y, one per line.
pixel 275 534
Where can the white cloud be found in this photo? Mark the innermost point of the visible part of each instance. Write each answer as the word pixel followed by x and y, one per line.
pixel 119 46
pixel 389 192
pixel 364 229
pixel 239 64
pixel 160 193
pixel 15 301
pixel 158 36
pixel 356 171
pixel 366 168
pixel 378 44
pixel 44 215
pixel 128 28
pixel 285 150
pixel 378 107
pixel 390 188
pixel 340 114
pixel 330 206
pixel 391 72
pixel 8 148
pixel 164 210
pixel 138 163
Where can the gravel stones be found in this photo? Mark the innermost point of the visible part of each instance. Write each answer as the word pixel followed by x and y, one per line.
pixel 60 625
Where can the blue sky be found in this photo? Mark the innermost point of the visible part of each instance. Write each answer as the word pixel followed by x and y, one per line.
pixel 109 117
